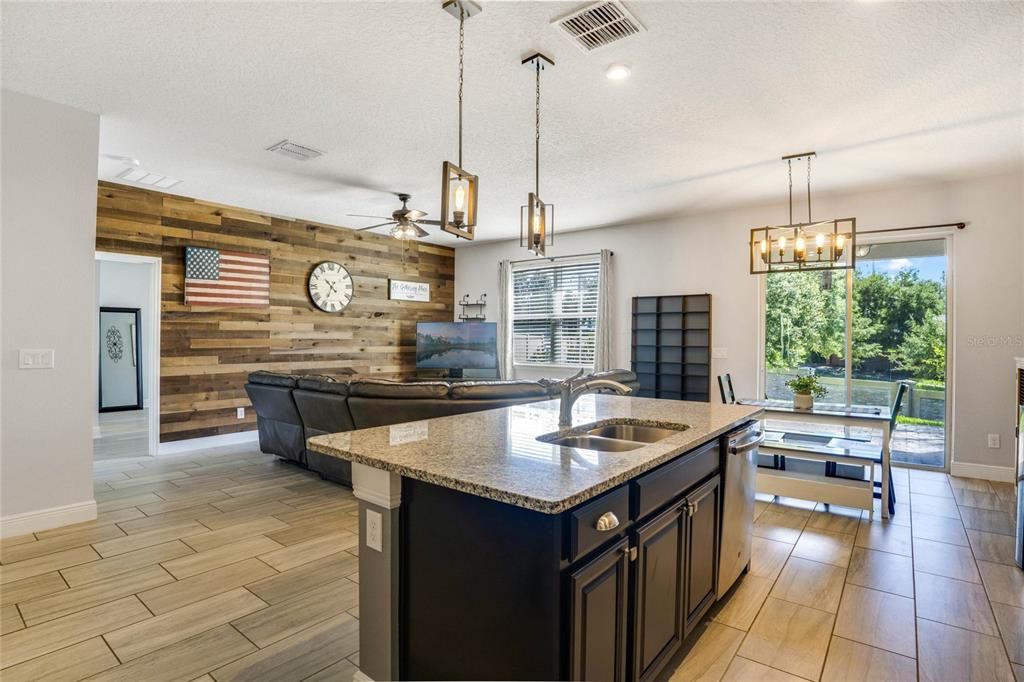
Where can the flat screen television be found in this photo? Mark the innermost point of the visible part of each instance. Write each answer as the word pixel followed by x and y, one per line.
pixel 456 346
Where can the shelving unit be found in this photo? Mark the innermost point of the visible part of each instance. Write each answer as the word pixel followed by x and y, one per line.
pixel 672 346
pixel 473 311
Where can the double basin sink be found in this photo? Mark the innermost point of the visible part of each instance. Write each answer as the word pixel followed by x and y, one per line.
pixel 613 436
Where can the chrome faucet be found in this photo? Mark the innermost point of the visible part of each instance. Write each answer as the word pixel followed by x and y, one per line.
pixel 570 390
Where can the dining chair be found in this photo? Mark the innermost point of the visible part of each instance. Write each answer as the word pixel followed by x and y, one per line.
pixel 725 388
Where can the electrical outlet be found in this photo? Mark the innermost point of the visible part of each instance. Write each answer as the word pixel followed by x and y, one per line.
pixel 373 530
pixel 240 413
pixel 993 441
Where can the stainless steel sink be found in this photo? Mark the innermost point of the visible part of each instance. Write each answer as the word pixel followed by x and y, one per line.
pixel 588 442
pixel 633 432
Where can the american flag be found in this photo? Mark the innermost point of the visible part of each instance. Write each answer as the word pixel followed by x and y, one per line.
pixel 225 278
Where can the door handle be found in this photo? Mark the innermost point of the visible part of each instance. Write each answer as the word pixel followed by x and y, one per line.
pixel 748 446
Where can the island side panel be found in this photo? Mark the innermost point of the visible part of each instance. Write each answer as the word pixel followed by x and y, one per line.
pixel 480 588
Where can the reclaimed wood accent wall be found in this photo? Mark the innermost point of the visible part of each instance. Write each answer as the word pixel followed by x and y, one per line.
pixel 206 353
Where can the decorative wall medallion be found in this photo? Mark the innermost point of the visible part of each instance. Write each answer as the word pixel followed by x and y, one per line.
pixel 115 344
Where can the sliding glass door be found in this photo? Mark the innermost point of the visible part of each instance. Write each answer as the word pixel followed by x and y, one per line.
pixel 866 331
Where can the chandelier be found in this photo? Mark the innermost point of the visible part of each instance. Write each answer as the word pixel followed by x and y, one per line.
pixel 798 247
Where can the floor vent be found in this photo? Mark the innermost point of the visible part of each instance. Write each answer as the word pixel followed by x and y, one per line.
pixel 295 151
pixel 599 25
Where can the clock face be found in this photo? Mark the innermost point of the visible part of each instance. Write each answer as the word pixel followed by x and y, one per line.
pixel 330 287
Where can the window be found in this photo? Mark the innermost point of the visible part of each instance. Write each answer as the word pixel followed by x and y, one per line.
pixel 554 313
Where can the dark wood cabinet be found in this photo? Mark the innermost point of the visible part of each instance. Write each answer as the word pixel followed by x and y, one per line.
pixel 701 569
pixel 659 592
pixel 599 593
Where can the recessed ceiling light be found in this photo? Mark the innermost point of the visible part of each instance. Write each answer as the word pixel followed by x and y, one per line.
pixel 617 72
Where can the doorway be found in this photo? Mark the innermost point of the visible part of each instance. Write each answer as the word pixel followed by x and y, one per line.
pixel 126 369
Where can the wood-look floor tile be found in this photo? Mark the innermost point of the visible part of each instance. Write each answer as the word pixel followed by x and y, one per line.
pixel 938 487
pixel 230 504
pixel 46 563
pixel 835 519
pixel 980 500
pixel 954 602
pixel 1004 584
pixel 1018 670
pixel 292 535
pixel 56 634
pixel 823 546
pixel 885 537
pixel 122 563
pixel 74 663
pixel 940 558
pixel 741 607
pixel 304 552
pixel 789 637
pixel 250 513
pixel 147 478
pixel 992 547
pixel 199 562
pixel 342 671
pixel 976 484
pixel 10 619
pixel 180 593
pixel 31 588
pixel 305 578
pixel 201 498
pixel 16 540
pixel 168 519
pixel 141 494
pixel 299 516
pixel 882 571
pixel 286 618
pixel 103 519
pixel 115 504
pixel 157 632
pixel 1011 627
pixel 878 619
pixel 987 520
pixel 128 543
pixel 709 656
pixel 810 583
pixel 185 660
pixel 239 531
pixel 850 661
pixel 55 544
pixel 767 557
pixel 269 481
pixel 939 529
pixel 93 594
pixel 298 656
pixel 780 525
pixel 745 670
pixel 936 506
pixel 949 653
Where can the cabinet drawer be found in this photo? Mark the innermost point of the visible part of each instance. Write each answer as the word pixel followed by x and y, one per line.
pixel 583 522
pixel 673 479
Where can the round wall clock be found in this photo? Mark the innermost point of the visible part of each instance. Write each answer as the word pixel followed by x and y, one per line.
pixel 330 287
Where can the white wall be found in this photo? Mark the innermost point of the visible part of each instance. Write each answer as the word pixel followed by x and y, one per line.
pixel 48 178
pixel 130 285
pixel 708 253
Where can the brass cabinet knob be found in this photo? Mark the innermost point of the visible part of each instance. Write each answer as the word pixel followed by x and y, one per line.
pixel 607 521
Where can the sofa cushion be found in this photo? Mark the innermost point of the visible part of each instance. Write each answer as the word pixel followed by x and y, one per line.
pixel 323 384
pixel 492 390
pixel 272 379
pixel 376 388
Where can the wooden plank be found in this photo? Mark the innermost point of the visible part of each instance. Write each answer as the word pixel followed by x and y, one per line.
pixel 74 663
pixel 92 594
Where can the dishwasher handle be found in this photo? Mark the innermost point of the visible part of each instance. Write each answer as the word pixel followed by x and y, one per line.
pixel 748 445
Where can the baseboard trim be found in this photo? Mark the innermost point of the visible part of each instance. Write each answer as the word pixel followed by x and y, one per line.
pixel 45 519
pixel 178 447
pixel 985 471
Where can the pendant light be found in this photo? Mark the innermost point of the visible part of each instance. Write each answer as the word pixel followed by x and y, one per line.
pixel 821 245
pixel 458 186
pixel 537 219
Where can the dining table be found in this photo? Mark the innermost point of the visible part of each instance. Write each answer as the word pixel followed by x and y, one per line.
pixel 866 416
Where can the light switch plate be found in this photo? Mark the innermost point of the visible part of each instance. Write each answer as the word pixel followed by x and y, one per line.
pixel 993 441
pixel 35 358
pixel 240 413
pixel 374 532
pixel 719 353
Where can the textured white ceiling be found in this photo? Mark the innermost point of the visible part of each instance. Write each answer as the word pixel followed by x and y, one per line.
pixel 885 92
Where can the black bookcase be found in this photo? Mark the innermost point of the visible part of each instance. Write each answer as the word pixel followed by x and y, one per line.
pixel 672 346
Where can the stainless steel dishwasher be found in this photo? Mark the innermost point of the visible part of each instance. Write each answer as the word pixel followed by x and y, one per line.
pixel 739 480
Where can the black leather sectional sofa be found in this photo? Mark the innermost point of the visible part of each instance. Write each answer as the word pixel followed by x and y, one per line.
pixel 290 409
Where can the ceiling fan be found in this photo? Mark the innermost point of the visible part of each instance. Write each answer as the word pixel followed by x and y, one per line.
pixel 406 221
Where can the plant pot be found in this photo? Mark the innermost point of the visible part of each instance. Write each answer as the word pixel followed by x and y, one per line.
pixel 803 401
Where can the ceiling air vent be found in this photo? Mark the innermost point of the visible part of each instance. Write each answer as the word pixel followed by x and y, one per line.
pixel 144 177
pixel 295 151
pixel 598 25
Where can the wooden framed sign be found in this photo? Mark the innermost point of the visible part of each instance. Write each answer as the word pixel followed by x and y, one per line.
pixel 403 290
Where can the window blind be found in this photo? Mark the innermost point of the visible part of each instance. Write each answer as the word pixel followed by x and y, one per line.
pixel 554 313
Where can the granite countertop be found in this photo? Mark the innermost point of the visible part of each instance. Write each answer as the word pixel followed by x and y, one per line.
pixel 495 454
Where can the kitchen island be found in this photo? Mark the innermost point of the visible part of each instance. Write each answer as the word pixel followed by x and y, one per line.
pixel 490 551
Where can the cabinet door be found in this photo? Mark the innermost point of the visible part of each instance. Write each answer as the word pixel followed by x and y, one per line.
pixel 702 507
pixel 599 595
pixel 658 605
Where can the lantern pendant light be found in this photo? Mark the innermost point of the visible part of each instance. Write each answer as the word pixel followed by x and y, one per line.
pixel 458 186
pixel 537 219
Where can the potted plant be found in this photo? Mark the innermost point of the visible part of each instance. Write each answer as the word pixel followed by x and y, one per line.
pixel 805 390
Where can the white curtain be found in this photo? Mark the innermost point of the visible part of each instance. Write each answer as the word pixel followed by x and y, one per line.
pixel 505 319
pixel 603 359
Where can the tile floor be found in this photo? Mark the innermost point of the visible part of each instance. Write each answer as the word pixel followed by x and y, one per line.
pixel 231 565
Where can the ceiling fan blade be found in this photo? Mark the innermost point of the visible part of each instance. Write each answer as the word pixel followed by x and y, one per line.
pixel 420 232
pixel 371 227
pixel 430 222
pixel 361 215
pixel 415 214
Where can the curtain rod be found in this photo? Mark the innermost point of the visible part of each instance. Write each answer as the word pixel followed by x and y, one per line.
pixel 554 258
pixel 958 226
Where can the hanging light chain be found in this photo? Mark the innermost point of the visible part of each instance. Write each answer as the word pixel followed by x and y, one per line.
pixel 808 189
pixel 462 53
pixel 536 173
pixel 789 167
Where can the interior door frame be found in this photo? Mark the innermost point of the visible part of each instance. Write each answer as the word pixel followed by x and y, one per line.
pixel 153 343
